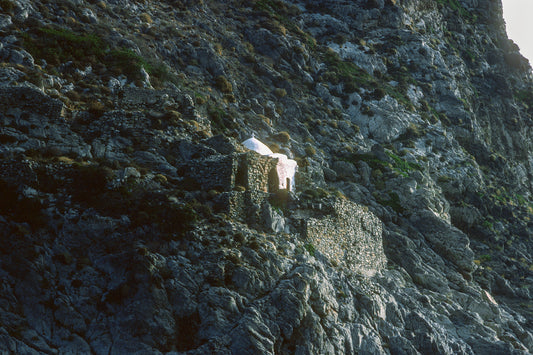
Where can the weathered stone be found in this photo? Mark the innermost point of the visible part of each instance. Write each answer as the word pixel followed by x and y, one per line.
pixel 350 236
pixel 98 267
pixel 272 220
pixel 216 172
pixel 30 99
pixel 5 21
pixel 344 169
pixel 88 16
pixel 446 240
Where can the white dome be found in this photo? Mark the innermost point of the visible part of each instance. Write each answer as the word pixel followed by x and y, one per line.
pixel 286 168
pixel 257 146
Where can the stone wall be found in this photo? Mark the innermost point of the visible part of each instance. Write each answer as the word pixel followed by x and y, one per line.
pixel 224 172
pixel 215 172
pixel 243 206
pixel 140 98
pixel 349 236
pixel 233 204
pixel 31 100
pixel 254 171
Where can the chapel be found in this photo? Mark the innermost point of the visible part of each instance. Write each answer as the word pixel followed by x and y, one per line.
pixel 285 167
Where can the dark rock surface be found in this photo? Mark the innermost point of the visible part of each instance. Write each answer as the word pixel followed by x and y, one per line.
pixel 132 221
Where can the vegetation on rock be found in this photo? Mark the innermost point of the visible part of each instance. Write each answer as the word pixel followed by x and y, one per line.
pixel 121 124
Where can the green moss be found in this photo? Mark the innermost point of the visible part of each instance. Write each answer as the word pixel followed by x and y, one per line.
pixel 485 258
pixel 396 163
pixel 488 224
pixel 370 159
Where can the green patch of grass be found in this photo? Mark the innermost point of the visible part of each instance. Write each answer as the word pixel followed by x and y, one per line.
pixel 403 166
pixel 348 72
pixel 310 249
pixel 397 164
pixel 458 8
pixel 353 77
pixel 58 45
pixel 485 258
pixel 318 193
pixel 282 12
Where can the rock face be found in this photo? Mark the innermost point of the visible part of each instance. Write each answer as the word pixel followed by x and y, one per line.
pixel 132 221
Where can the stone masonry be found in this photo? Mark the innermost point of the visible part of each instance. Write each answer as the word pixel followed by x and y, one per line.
pixel 349 235
pixel 250 170
pixel 31 100
pixel 255 171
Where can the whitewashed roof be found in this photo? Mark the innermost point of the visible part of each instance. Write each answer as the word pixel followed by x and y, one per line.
pixel 257 146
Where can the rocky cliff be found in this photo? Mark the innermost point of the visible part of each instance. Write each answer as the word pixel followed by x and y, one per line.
pixel 131 223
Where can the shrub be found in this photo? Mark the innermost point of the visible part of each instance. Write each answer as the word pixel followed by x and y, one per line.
pixel 239 237
pixel 127 62
pixel 97 108
pixel 220 118
pixel 89 182
pixel 392 201
pixel 58 45
pixel 379 93
pixel 413 131
pixel 275 148
pixel 310 150
pixel 279 92
pixel 283 137
pixel 350 87
pixel 223 84
pixel 146 18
